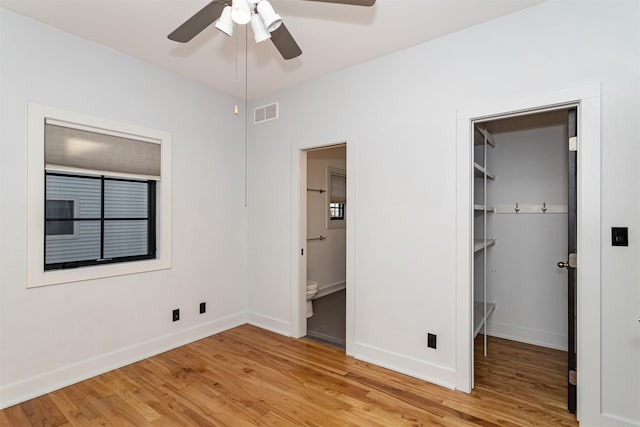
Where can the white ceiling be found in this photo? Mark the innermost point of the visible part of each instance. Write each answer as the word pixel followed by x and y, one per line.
pixel 332 36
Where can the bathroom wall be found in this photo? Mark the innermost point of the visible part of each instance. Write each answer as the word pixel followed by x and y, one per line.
pixel 326 258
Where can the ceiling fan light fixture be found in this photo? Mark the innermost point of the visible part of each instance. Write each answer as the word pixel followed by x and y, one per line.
pixel 225 23
pixel 240 12
pixel 271 19
pixel 260 32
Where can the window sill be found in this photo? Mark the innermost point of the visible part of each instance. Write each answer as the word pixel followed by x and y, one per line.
pixel 55 277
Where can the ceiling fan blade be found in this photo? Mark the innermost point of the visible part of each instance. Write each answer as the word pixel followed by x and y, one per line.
pixel 352 2
pixel 284 42
pixel 198 22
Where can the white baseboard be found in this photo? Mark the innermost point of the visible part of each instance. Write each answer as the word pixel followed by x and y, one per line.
pixel 325 290
pixel 529 336
pixel 47 382
pixel 416 368
pixel 607 420
pixel 270 324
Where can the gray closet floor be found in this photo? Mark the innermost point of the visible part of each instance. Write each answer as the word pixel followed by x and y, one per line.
pixel 328 323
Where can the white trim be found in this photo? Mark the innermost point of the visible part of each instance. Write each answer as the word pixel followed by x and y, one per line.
pixel 47 382
pixel 298 241
pixel 413 367
pixel 269 323
pixel 36 276
pixel 589 249
pixel 332 288
pixel 106 127
pixel 589 235
pixel 299 233
pixel 526 335
pixel 609 420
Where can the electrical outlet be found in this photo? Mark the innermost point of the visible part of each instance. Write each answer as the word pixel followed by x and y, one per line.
pixel 176 314
pixel 431 340
pixel 203 307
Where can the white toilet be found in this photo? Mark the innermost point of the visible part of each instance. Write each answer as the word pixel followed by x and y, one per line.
pixel 312 290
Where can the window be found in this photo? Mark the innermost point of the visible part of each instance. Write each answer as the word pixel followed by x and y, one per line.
pixel 114 221
pixel 337 195
pixel 336 211
pixel 99 197
pixel 60 210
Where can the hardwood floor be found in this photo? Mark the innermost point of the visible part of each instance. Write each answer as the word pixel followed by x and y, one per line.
pixel 247 376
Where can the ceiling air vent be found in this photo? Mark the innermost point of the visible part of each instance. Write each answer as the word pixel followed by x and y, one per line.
pixel 265 113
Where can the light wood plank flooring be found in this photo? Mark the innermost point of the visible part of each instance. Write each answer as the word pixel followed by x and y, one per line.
pixel 247 376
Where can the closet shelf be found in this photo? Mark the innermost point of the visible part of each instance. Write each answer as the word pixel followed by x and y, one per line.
pixel 482 208
pixel 479 319
pixel 481 310
pixel 480 171
pixel 480 135
pixel 480 244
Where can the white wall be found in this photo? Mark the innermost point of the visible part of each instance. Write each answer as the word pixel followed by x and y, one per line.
pixel 529 290
pixel 54 335
pixel 326 259
pixel 403 110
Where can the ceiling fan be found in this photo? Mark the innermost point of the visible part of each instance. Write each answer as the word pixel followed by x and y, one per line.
pixel 265 22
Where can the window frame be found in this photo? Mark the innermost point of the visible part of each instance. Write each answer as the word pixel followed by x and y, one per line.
pixel 37 276
pixel 103 220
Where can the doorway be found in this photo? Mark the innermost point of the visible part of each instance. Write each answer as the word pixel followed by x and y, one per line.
pixel 326 207
pixel 589 234
pixel 299 243
pixel 524 226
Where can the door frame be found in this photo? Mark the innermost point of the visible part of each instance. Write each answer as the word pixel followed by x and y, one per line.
pixel 299 231
pixel 588 100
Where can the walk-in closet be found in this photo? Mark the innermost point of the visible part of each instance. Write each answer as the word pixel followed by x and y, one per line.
pixel 520 198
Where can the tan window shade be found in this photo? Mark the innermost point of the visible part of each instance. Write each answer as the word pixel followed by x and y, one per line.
pixel 83 149
pixel 338 188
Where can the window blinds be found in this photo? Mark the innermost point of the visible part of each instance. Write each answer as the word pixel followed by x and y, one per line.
pixel 338 188
pixel 91 150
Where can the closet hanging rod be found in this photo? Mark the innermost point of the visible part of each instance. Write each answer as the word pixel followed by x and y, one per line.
pixel 319 190
pixel 317 238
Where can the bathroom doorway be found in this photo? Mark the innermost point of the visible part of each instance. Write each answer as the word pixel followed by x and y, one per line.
pixel 326 213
